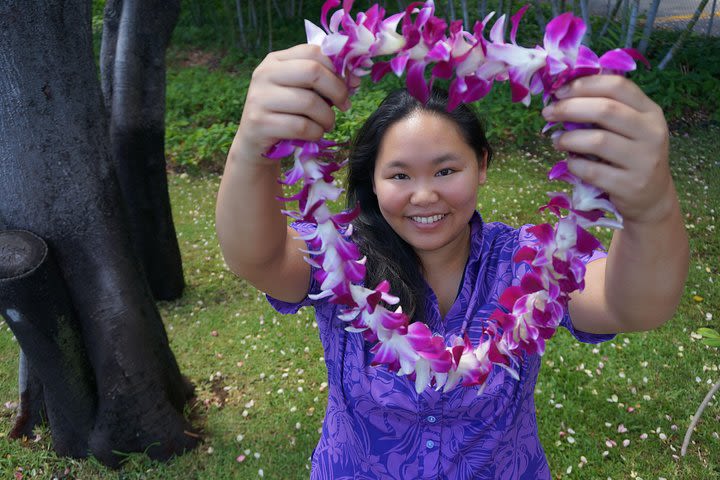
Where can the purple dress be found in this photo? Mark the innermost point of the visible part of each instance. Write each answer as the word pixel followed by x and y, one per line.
pixel 377 427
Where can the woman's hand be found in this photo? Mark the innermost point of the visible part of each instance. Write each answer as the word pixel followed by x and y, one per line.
pixel 640 283
pixel 630 138
pixel 289 97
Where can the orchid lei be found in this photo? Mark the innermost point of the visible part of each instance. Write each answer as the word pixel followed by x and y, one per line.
pixel 532 310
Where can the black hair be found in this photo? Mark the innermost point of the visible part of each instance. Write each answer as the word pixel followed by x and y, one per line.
pixel 389 256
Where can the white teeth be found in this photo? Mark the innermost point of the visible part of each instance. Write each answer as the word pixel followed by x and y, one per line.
pixel 432 219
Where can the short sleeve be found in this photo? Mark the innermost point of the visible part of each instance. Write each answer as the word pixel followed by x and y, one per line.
pixel 527 238
pixel 314 287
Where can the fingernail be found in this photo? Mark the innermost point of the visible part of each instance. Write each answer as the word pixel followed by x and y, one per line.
pixel 555 136
pixel 562 91
pixel 548 111
pixel 576 167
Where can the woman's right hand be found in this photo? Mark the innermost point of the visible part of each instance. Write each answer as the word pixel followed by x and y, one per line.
pixel 286 99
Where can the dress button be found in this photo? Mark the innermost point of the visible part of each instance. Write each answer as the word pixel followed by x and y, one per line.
pixel 430 444
pixel 431 419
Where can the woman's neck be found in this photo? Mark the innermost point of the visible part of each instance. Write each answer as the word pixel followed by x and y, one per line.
pixel 443 269
pixel 452 257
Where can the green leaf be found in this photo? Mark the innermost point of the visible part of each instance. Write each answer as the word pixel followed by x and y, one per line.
pixel 708 333
pixel 711 342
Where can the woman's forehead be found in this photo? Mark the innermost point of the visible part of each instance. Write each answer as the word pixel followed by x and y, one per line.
pixel 422 135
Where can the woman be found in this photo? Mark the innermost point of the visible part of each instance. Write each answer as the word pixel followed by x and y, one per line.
pixel 416 170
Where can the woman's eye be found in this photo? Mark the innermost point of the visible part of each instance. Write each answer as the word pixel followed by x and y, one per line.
pixel 444 172
pixel 399 176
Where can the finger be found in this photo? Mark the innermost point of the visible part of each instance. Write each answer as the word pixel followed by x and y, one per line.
pixel 610 86
pixel 311 75
pixel 606 177
pixel 304 52
pixel 354 81
pixel 301 101
pixel 604 112
pixel 282 125
pixel 614 148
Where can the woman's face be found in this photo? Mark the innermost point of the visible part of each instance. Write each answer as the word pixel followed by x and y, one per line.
pixel 426 181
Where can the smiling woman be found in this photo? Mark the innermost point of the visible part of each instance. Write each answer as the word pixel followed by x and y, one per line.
pixel 422 151
pixel 488 294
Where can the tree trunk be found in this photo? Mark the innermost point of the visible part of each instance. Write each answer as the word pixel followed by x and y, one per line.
pixel 465 15
pixel 649 25
pixel 277 9
pixel 241 24
pixel 624 24
pixel 610 18
pixel 539 17
pixel 254 25
pixel 712 17
pixel 632 22
pixel 555 6
pixel 133 73
pixel 37 308
pixel 585 12
pixel 269 25
pixel 681 39
pixel 57 180
pixel 31 409
pixel 508 14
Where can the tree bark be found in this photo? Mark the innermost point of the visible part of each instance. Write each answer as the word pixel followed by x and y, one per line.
pixel 31 409
pixel 712 17
pixel 269 25
pixel 133 73
pixel 241 24
pixel 585 12
pixel 632 21
pixel 610 18
pixel 37 308
pixel 57 180
pixel 539 17
pixel 555 6
pixel 465 15
pixel 649 25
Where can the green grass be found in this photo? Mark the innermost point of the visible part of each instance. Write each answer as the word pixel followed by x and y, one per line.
pixel 269 395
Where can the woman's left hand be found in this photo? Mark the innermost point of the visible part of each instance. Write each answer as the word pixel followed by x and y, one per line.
pixel 630 137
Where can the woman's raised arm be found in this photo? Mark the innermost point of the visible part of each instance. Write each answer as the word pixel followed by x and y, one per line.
pixel 640 283
pixel 288 98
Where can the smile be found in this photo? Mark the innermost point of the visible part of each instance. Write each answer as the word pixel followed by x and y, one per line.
pixel 428 220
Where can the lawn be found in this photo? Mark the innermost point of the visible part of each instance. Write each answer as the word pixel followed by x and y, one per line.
pixel 618 410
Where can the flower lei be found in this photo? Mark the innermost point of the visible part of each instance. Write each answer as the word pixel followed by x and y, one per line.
pixel 532 310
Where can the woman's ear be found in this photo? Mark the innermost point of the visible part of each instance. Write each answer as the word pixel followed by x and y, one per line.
pixel 482 172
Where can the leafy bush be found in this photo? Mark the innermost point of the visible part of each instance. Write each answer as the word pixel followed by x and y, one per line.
pixel 203 109
pixel 687 88
pixel 194 148
pixel 686 97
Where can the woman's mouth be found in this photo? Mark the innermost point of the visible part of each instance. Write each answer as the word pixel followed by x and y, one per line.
pixel 428 220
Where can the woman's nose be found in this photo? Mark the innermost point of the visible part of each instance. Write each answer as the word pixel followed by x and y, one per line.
pixel 423 195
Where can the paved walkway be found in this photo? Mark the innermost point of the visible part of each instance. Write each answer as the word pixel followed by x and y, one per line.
pixel 673 13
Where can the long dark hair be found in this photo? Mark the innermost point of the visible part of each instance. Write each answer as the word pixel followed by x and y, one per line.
pixel 389 256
